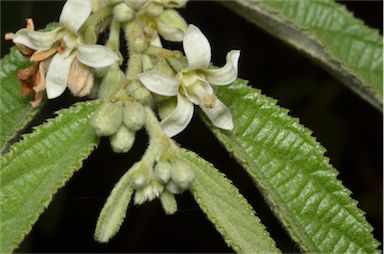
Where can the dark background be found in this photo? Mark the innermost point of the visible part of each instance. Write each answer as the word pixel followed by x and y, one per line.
pixel 347 126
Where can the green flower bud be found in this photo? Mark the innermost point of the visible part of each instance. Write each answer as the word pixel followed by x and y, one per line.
pixel 146 62
pixel 136 4
pixel 168 202
pixel 123 13
pixel 112 2
pixel 171 25
pixel 134 115
pixel 139 92
pixel 174 3
pixel 178 64
pixel 107 119
pixel 163 171
pixel 140 45
pixel 149 192
pixel 111 82
pixel 122 140
pixel 140 175
pixel 182 175
pixel 173 188
pixel 154 8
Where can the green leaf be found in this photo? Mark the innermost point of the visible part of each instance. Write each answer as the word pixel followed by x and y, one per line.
pixel 227 209
pixel 327 32
pixel 38 165
pixel 113 213
pixel 290 169
pixel 15 110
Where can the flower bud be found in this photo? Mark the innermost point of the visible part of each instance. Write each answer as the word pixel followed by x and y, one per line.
pixel 122 140
pixel 133 115
pixel 112 2
pixel 174 3
pixel 168 202
pixel 171 26
pixel 146 63
pixel 139 92
pixel 154 8
pixel 140 44
pixel 173 188
pixel 107 118
pixel 140 175
pixel 136 4
pixel 178 64
pixel 123 13
pixel 182 175
pixel 163 171
pixel 149 192
pixel 111 82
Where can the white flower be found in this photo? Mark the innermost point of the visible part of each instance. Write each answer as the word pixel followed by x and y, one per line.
pixel 65 46
pixel 193 85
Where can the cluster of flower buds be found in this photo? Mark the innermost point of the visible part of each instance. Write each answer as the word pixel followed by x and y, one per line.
pixel 161 179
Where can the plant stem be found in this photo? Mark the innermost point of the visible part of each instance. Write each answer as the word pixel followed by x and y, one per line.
pixel 133 34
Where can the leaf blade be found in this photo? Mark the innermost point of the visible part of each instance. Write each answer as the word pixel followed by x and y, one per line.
pixel 327 32
pixel 290 169
pixel 15 110
pixel 227 209
pixel 38 166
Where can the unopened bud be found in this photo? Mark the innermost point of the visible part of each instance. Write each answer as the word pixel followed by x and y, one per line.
pixel 111 82
pixel 112 2
pixel 140 45
pixel 133 115
pixel 122 140
pixel 178 64
pixel 123 13
pixel 171 25
pixel 168 202
pixel 107 119
pixel 146 63
pixel 140 175
pixel 155 8
pixel 182 175
pixel 174 3
pixel 173 188
pixel 149 192
pixel 139 92
pixel 136 4
pixel 163 171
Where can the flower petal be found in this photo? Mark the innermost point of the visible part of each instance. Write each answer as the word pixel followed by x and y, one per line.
pixel 197 48
pixel 75 13
pixel 226 74
pixel 96 56
pixel 159 83
pixel 178 119
pixel 37 40
pixel 58 74
pixel 219 115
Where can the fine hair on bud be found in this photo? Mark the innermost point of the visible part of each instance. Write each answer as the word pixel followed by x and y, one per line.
pixel 107 119
pixel 140 174
pixel 123 13
pixel 163 171
pixel 111 82
pixel 138 92
pixel 133 115
pixel 182 174
pixel 122 140
pixel 168 202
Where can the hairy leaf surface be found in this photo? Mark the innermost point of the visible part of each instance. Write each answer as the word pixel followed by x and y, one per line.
pixel 327 32
pixel 38 165
pixel 15 110
pixel 113 213
pixel 290 169
pixel 227 209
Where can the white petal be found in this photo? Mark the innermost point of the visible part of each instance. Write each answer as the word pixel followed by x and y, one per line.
pixel 226 74
pixel 37 40
pixel 96 56
pixel 196 48
pixel 219 115
pixel 155 41
pixel 159 83
pixel 75 13
pixel 179 119
pixel 58 74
